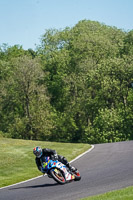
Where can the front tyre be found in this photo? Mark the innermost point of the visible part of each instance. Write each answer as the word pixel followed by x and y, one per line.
pixel 58 176
pixel 77 175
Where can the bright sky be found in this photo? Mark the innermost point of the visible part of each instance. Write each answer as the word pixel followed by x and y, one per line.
pixel 24 21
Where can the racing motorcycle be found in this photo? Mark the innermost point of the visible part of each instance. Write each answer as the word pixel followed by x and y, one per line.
pixel 59 172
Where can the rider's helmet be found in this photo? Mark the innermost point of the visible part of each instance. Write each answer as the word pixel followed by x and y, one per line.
pixel 37 152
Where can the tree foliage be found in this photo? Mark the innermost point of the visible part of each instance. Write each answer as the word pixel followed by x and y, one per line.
pixel 76 87
pixel 25 105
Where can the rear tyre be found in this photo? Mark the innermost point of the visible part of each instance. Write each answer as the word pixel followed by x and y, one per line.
pixel 58 176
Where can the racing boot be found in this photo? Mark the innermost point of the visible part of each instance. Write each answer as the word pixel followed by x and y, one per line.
pixel 71 168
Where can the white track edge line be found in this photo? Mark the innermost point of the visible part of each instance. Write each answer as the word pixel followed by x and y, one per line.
pixel 92 147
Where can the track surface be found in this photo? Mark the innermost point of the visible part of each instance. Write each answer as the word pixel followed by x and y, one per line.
pixel 107 167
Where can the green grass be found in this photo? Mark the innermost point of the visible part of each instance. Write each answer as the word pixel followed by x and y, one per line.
pixel 123 194
pixel 17 162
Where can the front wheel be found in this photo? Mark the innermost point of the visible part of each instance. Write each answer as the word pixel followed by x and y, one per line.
pixel 77 175
pixel 58 176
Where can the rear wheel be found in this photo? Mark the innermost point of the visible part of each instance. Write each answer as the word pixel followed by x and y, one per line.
pixel 58 176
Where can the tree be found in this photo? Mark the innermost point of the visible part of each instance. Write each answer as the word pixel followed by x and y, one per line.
pixel 25 102
pixel 79 81
pixel 86 73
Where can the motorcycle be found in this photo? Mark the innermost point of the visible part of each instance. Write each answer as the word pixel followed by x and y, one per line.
pixel 59 172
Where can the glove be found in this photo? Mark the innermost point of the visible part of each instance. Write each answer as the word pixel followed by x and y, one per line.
pixel 55 157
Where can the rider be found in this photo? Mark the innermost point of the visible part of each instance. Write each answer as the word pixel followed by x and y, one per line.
pixel 42 153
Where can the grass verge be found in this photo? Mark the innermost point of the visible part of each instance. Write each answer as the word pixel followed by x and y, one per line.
pixel 123 194
pixel 17 162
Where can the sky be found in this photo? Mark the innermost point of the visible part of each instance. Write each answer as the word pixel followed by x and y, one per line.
pixel 23 22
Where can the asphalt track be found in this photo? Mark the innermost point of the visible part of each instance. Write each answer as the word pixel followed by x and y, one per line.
pixel 107 167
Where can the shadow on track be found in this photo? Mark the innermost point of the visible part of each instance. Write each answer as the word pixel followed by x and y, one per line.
pixel 35 186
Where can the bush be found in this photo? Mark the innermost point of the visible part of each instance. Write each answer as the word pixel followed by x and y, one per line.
pixel 107 127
